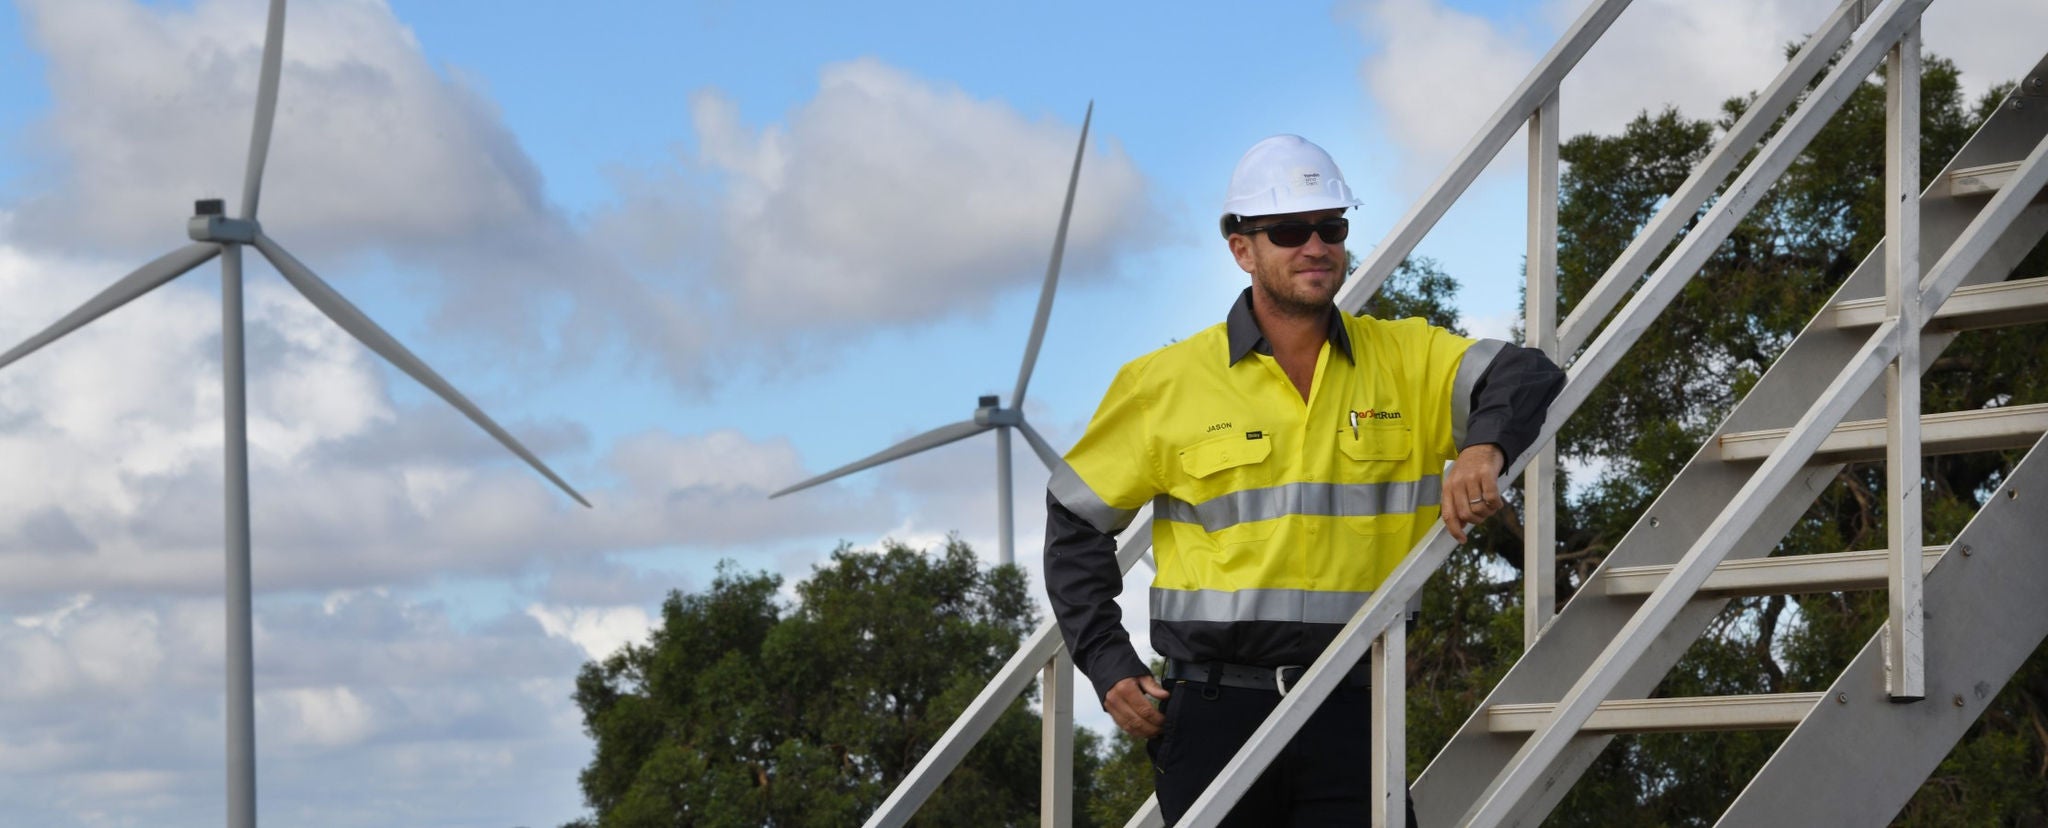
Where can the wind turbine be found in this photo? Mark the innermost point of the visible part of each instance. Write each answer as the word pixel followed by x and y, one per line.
pixel 214 234
pixel 989 412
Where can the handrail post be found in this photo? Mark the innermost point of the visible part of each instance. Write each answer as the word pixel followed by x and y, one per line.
pixel 1056 757
pixel 1390 727
pixel 1905 650
pixel 1539 502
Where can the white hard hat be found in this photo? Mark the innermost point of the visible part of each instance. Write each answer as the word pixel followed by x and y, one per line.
pixel 1284 174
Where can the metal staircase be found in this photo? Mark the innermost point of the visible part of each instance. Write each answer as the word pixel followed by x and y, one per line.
pixel 1964 615
pixel 1715 523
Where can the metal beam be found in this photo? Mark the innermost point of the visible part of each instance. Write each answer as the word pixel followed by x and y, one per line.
pixel 1539 500
pixel 1907 627
pixel 1390 728
pixel 1056 745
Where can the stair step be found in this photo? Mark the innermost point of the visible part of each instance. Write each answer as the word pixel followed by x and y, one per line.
pixel 1791 575
pixel 1778 711
pixel 1953 432
pixel 1994 305
pixel 1982 180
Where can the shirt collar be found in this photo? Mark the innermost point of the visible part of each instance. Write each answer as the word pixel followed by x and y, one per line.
pixel 1245 336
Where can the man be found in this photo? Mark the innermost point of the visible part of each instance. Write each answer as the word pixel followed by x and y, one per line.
pixel 1293 454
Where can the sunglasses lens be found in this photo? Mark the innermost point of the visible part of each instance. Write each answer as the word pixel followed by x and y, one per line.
pixel 1296 233
pixel 1290 234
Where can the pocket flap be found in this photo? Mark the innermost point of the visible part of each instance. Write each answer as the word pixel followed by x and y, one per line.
pixel 1229 451
pixel 1377 440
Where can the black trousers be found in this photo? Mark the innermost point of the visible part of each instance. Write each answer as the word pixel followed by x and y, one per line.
pixel 1322 778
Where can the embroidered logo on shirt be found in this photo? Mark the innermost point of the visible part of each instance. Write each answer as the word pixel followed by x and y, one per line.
pixel 1219 426
pixel 1370 414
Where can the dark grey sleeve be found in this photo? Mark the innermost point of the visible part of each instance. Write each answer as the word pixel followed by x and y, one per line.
pixel 1082 579
pixel 1510 399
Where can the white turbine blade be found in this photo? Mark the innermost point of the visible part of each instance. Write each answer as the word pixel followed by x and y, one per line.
pixel 145 279
pixel 266 108
pixel 1052 269
pixel 1046 454
pixel 352 320
pixel 928 440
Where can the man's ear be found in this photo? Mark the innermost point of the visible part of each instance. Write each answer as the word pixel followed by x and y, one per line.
pixel 1241 249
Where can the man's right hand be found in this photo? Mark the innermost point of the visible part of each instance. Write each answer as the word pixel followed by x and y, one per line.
pixel 1129 704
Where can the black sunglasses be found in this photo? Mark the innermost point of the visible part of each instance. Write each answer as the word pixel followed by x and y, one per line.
pixel 1296 233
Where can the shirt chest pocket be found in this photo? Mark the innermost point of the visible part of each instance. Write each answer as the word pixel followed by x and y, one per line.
pixel 1377 440
pixel 1227 452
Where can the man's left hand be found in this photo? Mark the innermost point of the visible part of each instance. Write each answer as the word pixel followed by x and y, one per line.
pixel 1471 488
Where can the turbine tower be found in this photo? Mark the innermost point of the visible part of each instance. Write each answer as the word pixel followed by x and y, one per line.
pixel 214 234
pixel 989 412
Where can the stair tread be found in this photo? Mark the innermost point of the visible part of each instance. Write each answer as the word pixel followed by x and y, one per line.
pixel 1791 574
pixel 1973 307
pixel 1693 713
pixel 1984 429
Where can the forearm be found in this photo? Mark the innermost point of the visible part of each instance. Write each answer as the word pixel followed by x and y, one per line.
pixel 1083 580
pixel 1511 399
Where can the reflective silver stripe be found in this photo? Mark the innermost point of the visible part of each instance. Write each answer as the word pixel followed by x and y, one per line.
pixel 1470 368
pixel 1072 492
pixel 1324 499
pixel 1296 605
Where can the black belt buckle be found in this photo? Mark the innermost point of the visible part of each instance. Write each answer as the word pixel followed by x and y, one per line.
pixel 1280 676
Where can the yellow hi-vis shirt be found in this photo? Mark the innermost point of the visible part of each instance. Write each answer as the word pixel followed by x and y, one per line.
pixel 1271 512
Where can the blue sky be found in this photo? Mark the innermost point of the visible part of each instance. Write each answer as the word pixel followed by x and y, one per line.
pixel 689 253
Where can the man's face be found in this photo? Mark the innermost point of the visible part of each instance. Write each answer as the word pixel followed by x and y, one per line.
pixel 1297 281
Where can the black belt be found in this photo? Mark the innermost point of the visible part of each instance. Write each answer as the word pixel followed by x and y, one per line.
pixel 1270 679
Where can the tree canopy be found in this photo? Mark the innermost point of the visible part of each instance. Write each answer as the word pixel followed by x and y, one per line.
pixel 744 709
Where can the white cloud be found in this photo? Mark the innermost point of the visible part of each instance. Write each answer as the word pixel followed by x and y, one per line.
pixel 370 711
pixel 600 631
pixel 889 198
pixel 372 145
pixel 1436 72
pixel 885 199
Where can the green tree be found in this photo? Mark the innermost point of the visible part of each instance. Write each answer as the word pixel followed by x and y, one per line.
pixel 743 710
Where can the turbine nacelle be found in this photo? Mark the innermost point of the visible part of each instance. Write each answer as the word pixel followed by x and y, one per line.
pixel 992 413
pixel 210 224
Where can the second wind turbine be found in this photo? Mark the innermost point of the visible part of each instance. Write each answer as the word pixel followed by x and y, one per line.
pixel 989 413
